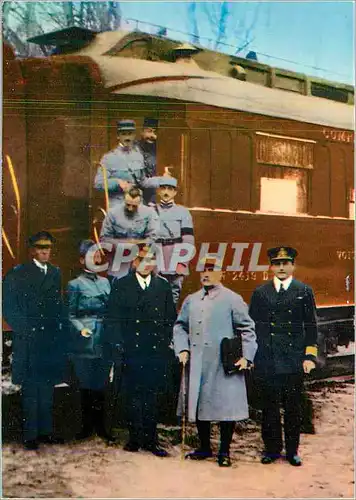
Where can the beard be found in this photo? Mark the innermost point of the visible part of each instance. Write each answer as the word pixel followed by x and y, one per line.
pixel 149 147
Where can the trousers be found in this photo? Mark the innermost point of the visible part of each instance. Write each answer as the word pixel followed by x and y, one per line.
pixel 226 433
pixel 283 390
pixel 37 407
pixel 141 416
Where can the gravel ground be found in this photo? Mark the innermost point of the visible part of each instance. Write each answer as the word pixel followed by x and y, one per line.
pixel 91 469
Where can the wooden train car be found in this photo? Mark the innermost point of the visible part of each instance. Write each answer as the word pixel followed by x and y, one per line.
pixel 260 162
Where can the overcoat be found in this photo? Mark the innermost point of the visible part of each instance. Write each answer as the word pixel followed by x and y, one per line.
pixel 124 164
pixel 285 326
pixel 139 323
pixel 32 306
pixel 88 297
pixel 203 322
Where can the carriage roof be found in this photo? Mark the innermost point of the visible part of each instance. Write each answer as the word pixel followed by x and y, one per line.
pixel 189 83
pixel 205 83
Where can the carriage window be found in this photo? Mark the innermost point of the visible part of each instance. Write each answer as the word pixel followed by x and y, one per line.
pixel 283 190
pixel 352 204
pixel 278 195
pixel 283 172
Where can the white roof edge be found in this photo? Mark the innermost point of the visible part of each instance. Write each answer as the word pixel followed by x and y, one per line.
pixel 136 77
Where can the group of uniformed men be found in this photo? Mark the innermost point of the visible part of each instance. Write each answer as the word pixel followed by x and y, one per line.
pixel 125 324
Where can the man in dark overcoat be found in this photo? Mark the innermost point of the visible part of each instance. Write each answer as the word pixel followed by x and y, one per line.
pixel 147 146
pixel 284 312
pixel 139 324
pixel 32 306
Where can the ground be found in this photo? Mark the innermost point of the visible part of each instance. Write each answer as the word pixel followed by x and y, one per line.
pixel 92 469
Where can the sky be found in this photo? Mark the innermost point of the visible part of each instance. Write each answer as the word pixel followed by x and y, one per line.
pixel 314 38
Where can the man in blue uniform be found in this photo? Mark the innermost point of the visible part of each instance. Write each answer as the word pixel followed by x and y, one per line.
pixel 123 167
pixel 32 306
pixel 175 226
pixel 88 295
pixel 129 222
pixel 286 327
pixel 147 146
pixel 139 322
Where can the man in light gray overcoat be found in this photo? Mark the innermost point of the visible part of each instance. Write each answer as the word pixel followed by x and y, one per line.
pixel 206 317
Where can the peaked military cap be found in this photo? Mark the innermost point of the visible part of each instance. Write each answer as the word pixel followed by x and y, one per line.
pixel 282 253
pixel 150 123
pixel 42 239
pixel 168 181
pixel 126 125
pixel 84 246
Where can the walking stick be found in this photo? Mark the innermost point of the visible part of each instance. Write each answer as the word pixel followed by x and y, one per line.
pixel 184 401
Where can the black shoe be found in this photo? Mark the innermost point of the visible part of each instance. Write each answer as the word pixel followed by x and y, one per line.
pixel 31 444
pixel 130 446
pixel 49 439
pixel 224 460
pixel 269 458
pixel 156 450
pixel 294 460
pixel 199 454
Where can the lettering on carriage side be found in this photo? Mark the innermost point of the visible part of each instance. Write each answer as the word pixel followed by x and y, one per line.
pixel 338 135
pixel 244 276
pixel 345 254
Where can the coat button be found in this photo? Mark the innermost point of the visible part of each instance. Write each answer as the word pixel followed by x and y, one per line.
pixel 136 345
pixel 154 347
pixel 137 333
pixel 199 320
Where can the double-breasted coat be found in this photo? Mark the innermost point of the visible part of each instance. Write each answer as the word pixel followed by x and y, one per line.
pixel 203 322
pixel 124 164
pixel 139 323
pixel 32 306
pixel 285 326
pixel 88 297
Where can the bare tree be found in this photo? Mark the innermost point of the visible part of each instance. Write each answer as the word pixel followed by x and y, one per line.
pixel 23 20
pixel 192 16
pixel 226 21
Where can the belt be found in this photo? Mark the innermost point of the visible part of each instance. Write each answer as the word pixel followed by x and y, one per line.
pixel 170 241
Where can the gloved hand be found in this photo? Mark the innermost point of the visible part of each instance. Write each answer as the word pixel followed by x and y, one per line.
pixel 243 364
pixel 308 365
pixel 183 357
pixel 86 332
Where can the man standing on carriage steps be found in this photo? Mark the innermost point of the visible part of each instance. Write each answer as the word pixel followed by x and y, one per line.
pixel 147 146
pixel 124 166
pixel 175 226
pixel 285 316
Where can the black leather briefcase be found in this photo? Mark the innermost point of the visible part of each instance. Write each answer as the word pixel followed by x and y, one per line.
pixel 231 351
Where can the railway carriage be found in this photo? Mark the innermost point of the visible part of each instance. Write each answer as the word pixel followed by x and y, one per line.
pixel 262 156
